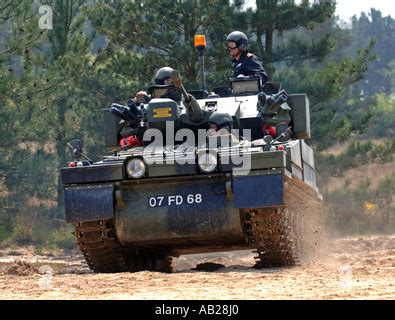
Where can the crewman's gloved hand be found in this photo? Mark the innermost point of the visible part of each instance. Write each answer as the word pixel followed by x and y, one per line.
pixel 141 97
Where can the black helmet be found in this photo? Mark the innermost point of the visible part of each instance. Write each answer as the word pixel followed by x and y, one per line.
pixel 163 74
pixel 221 120
pixel 239 38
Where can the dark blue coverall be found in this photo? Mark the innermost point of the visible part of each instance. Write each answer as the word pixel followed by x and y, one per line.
pixel 249 65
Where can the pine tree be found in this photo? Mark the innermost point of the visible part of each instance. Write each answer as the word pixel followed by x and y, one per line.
pixel 18 82
pixel 146 35
pixel 274 17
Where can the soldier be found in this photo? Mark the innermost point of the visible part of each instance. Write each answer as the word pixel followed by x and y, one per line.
pixel 162 77
pixel 244 63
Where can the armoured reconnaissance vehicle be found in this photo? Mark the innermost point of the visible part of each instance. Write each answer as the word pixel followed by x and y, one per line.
pixel 192 172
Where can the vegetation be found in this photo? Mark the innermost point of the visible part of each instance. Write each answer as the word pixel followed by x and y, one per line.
pixel 53 84
pixel 357 153
pixel 361 209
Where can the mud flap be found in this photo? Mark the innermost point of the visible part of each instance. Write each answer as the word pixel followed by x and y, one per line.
pixel 89 202
pixel 263 189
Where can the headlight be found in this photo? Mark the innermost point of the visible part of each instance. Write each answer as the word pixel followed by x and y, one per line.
pixel 136 168
pixel 208 161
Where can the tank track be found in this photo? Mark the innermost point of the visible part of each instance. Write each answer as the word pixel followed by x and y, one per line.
pixel 290 234
pixel 268 229
pixel 104 253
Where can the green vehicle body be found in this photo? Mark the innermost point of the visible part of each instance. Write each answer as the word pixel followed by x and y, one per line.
pixel 125 224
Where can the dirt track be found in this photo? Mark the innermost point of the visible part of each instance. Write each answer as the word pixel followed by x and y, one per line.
pixel 351 268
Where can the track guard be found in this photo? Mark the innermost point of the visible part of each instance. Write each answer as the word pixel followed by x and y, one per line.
pixel 259 189
pixel 89 202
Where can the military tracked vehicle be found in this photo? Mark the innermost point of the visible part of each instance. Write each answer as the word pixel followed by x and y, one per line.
pixel 192 172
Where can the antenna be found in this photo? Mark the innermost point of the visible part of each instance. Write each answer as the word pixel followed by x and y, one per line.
pixel 200 45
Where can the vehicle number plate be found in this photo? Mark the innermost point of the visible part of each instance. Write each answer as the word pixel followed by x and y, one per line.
pixel 174 200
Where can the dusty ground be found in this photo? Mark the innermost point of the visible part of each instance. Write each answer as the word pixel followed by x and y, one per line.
pixel 351 268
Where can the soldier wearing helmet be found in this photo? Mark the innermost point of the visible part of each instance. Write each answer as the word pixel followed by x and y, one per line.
pixel 162 77
pixel 244 63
